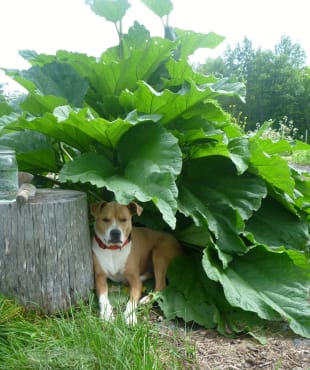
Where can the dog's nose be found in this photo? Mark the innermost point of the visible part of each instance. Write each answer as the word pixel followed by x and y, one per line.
pixel 115 235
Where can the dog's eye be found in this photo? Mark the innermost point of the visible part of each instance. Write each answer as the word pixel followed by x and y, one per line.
pixel 123 219
pixel 105 219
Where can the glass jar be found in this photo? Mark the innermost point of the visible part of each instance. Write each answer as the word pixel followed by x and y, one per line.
pixel 8 175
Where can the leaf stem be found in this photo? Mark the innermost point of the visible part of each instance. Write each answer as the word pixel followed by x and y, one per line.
pixel 119 30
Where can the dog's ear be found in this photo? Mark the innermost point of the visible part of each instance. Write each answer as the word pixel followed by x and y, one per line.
pixel 96 208
pixel 134 209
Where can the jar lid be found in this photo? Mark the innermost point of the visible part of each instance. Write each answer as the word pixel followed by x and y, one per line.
pixel 6 150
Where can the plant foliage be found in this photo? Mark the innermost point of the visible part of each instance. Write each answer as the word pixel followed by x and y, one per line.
pixel 143 125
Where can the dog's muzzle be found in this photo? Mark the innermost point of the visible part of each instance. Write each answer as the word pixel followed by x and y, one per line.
pixel 115 236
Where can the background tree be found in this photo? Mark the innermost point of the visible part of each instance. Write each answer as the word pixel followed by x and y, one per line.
pixel 239 59
pixel 277 83
pixel 4 101
pixel 2 92
pixel 304 105
pixel 294 53
pixel 214 66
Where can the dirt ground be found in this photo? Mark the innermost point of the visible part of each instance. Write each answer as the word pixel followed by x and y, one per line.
pixel 282 351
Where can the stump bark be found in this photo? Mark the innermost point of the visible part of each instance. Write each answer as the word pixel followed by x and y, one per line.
pixel 45 250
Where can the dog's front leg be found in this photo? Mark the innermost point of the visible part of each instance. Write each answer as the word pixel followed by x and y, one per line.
pixel 135 293
pixel 130 313
pixel 106 310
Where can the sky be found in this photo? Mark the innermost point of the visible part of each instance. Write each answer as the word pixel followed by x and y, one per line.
pixel 50 25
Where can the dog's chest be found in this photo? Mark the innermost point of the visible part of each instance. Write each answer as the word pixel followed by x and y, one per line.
pixel 113 262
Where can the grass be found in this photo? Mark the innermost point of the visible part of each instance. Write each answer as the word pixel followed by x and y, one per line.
pixel 78 339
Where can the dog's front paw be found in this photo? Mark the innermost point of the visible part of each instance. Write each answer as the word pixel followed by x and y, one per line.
pixel 130 314
pixel 106 314
pixel 106 310
pixel 131 319
pixel 150 298
pixel 146 300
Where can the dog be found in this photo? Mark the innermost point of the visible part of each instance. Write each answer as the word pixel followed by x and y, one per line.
pixel 123 253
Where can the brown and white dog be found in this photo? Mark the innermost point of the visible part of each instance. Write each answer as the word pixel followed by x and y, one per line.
pixel 123 253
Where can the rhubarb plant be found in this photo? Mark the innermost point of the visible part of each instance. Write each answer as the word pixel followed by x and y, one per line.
pixel 139 123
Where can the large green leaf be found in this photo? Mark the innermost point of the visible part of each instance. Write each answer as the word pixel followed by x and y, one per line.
pixel 152 144
pixel 37 104
pixel 237 150
pixel 287 229
pixel 225 227
pixel 194 235
pixel 266 283
pixel 150 150
pixel 34 58
pixel 60 131
pixel 273 169
pixel 275 147
pixel 191 41
pixel 196 130
pixel 99 130
pixel 111 10
pixel 192 300
pixel 149 160
pixel 34 151
pixel 137 37
pixel 57 79
pixel 77 128
pixel 159 7
pixel 89 167
pixel 302 184
pixel 111 77
pixel 158 188
pixel 192 296
pixel 190 100
pixel 169 104
pixel 180 71
pixel 214 195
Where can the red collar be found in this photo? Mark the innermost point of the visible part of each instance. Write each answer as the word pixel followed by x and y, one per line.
pixel 111 247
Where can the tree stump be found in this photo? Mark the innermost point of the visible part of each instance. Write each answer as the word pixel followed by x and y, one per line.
pixel 45 250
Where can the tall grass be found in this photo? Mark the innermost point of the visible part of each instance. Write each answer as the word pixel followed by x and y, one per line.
pixel 79 340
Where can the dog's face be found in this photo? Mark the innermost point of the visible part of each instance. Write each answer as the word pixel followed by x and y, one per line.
pixel 113 221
